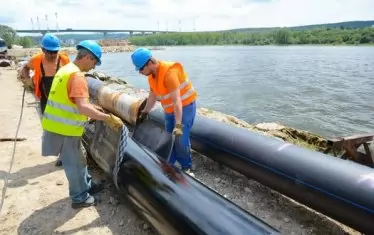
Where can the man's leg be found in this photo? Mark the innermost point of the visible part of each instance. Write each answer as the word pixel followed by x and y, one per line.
pixel 75 167
pixel 183 144
pixel 169 126
pixel 42 105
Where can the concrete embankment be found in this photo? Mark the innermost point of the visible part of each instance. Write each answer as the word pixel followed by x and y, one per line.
pixel 38 191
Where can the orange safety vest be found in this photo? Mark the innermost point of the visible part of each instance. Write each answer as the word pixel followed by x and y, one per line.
pixel 36 61
pixel 157 85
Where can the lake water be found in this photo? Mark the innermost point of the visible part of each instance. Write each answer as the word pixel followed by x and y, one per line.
pixel 323 89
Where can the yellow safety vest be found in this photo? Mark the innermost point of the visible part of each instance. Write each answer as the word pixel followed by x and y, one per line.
pixel 61 116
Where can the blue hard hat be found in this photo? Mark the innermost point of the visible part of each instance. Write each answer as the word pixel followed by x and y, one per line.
pixel 140 57
pixel 50 42
pixel 93 47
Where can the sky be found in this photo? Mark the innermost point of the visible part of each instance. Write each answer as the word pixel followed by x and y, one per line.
pixel 176 15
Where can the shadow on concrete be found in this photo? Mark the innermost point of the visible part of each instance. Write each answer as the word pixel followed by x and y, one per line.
pixel 21 177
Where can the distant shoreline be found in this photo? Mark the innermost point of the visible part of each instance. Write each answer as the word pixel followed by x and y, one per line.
pixel 25 52
pixel 253 45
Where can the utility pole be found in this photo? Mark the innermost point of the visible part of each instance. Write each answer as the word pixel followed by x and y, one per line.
pixel 56 22
pixel 167 27
pixel 194 24
pixel 46 19
pixel 37 18
pixel 158 25
pixel 32 24
pixel 180 29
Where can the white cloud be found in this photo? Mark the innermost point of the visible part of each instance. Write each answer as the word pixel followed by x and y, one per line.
pixel 207 14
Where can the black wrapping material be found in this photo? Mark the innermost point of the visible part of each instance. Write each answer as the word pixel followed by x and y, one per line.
pixel 340 189
pixel 171 201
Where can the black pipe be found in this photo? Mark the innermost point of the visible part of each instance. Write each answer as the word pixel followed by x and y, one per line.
pixel 171 201
pixel 340 189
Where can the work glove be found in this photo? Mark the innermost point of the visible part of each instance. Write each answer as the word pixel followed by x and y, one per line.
pixel 114 122
pixel 142 116
pixel 178 130
pixel 28 83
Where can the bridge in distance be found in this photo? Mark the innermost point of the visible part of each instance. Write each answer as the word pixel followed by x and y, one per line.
pixel 104 31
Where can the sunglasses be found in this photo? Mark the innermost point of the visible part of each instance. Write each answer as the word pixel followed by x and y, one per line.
pixel 50 52
pixel 146 63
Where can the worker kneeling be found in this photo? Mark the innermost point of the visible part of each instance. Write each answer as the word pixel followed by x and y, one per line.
pixel 169 84
pixel 66 112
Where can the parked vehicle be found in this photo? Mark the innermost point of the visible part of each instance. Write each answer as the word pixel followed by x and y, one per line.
pixel 3 46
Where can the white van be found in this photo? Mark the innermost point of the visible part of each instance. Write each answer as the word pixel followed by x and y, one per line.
pixel 3 47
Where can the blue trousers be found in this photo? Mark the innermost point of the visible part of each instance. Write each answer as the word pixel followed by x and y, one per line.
pixel 182 147
pixel 73 160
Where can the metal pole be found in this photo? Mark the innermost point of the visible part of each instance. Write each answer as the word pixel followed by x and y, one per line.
pixel 56 23
pixel 37 18
pixel 46 19
pixel 32 24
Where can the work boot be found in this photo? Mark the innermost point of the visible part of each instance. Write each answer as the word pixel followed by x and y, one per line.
pixel 58 162
pixel 95 188
pixel 90 201
pixel 188 171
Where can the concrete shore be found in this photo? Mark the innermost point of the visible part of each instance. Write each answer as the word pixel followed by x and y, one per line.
pixel 37 198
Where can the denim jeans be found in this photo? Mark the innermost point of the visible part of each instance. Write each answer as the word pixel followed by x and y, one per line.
pixel 182 147
pixel 73 161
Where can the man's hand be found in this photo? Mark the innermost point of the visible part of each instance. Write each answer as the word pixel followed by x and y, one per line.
pixel 28 82
pixel 99 108
pixel 114 122
pixel 143 114
pixel 178 130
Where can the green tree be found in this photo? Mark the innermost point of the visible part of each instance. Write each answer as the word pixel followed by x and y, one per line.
pixel 26 42
pixel 281 37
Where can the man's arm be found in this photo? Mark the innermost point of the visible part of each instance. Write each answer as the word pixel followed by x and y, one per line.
pixel 78 91
pixel 172 83
pixel 151 101
pixel 86 108
pixel 26 70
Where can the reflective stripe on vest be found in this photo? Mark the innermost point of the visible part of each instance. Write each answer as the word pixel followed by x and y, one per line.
pixel 183 97
pixel 62 116
pixel 188 93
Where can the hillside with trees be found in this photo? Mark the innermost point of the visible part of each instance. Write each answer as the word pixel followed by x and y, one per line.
pixel 357 32
pixel 9 36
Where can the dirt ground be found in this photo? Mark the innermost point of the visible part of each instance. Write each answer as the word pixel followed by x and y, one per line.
pixel 37 200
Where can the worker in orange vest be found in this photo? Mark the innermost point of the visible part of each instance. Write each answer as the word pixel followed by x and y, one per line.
pixel 45 65
pixel 170 85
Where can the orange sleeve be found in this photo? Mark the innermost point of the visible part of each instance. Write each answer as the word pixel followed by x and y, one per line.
pixel 33 60
pixel 64 59
pixel 172 79
pixel 77 87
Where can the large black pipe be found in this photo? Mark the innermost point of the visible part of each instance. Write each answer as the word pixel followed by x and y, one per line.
pixel 340 189
pixel 171 201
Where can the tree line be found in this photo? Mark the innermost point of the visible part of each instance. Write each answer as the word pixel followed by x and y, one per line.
pixel 332 36
pixel 10 37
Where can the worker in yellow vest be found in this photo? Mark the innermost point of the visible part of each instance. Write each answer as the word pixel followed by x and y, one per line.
pixel 66 113
pixel 170 85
